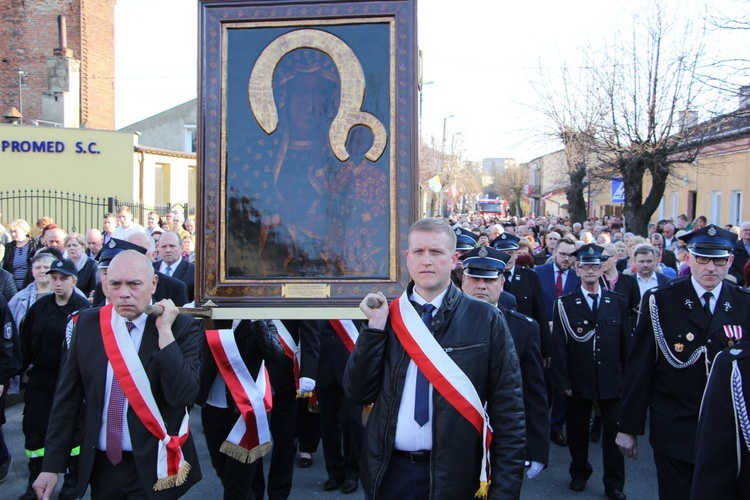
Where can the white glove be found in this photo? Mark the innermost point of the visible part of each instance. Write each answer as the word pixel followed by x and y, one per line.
pixel 534 470
pixel 306 385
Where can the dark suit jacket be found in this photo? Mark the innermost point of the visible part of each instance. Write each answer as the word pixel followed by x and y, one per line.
pixel 527 289
pixel 674 395
pixel 627 286
pixel 548 278
pixel 525 333
pixel 185 272
pixel 589 374
pixel 173 373
pixel 738 265
pixel 166 288
pixel 328 353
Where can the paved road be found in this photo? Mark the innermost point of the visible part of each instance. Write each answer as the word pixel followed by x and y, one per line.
pixel 308 483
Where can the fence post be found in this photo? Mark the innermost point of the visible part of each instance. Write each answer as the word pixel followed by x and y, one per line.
pixel 112 205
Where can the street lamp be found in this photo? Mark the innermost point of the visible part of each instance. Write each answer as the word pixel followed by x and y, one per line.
pixel 23 77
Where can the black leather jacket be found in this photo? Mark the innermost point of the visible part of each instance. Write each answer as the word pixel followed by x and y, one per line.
pixel 476 337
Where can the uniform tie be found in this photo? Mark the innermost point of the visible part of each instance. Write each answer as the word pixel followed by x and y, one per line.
pixel 559 283
pixel 422 389
pixel 595 305
pixel 115 416
pixel 707 303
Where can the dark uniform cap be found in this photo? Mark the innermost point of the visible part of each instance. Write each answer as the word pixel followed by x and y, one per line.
pixel 63 266
pixel 484 262
pixel 506 242
pixel 710 241
pixel 465 239
pixel 113 247
pixel 589 254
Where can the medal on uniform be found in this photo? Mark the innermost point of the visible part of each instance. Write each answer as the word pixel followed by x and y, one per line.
pixel 579 330
pixel 733 333
pixel 730 343
pixel 690 337
pixel 678 347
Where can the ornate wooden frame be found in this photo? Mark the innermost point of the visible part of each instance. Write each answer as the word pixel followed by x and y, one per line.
pixel 377 35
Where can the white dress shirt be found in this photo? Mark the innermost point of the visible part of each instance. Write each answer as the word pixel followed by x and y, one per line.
pixel 409 435
pixel 136 335
pixel 701 291
pixel 646 285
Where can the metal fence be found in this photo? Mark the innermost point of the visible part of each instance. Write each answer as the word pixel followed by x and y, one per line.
pixel 70 211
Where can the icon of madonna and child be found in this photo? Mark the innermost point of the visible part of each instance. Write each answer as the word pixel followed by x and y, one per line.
pixel 308 187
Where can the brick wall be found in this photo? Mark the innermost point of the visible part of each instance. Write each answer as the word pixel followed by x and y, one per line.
pixel 28 35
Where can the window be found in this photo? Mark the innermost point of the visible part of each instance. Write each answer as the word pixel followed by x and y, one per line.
pixel 715 215
pixel 675 202
pixel 735 208
pixel 190 139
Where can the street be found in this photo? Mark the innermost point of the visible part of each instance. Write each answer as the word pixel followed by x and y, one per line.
pixel 308 483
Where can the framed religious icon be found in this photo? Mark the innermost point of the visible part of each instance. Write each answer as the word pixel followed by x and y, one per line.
pixel 307 137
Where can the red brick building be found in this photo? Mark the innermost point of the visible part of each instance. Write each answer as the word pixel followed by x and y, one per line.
pixel 28 36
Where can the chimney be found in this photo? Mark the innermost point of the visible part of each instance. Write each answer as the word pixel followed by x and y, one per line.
pixel 744 97
pixel 61 104
pixel 688 119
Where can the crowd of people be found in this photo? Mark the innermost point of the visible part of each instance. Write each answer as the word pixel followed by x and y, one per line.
pixel 513 334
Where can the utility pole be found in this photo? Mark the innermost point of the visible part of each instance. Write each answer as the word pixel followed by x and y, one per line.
pixel 23 77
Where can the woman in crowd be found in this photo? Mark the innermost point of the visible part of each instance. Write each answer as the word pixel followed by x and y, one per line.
pixel 75 245
pixel 188 248
pixel 39 287
pixel 19 252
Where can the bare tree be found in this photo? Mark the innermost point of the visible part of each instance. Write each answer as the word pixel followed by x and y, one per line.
pixel 647 79
pixel 572 110
pixel 511 186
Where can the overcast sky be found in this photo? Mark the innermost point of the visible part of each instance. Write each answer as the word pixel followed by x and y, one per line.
pixel 479 56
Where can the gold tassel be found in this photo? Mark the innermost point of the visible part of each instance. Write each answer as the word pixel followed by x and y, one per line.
pixel 174 480
pixel 484 489
pixel 244 455
pixel 301 395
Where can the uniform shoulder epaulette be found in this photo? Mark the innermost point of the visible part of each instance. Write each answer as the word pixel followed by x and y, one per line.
pixel 522 316
pixel 568 294
pixel 615 292
pixel 743 289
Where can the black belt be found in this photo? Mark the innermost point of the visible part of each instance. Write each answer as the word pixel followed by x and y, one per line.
pixel 415 457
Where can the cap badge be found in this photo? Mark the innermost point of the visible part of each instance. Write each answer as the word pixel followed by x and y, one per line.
pixel 458 231
pixel 112 244
pixel 59 263
pixel 503 236
pixel 591 251
pixel 483 251
pixel 679 347
pixel 712 231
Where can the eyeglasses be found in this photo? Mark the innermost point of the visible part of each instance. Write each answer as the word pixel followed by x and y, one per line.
pixel 590 267
pixel 564 255
pixel 718 261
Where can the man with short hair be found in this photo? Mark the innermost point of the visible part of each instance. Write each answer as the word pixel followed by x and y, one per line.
pixel 591 335
pixel 417 443
pixel 645 257
pixel 548 251
pixel 177 220
pixel 152 222
pixel 670 242
pixel 682 326
pixel 483 279
pixel 123 451
pixel 126 225
pixel 495 231
pixel 109 223
pixel 665 259
pixel 172 264
pixel 94 242
pixel 54 238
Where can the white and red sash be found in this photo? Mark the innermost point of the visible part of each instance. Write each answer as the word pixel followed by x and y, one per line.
pixel 291 350
pixel 250 438
pixel 444 375
pixel 346 331
pixel 171 467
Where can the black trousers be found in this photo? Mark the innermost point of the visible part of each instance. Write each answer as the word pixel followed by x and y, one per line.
pixel 283 422
pixel 578 415
pixel 342 433
pixel 405 480
pixel 40 391
pixel 308 427
pixel 235 476
pixel 675 477
pixel 109 482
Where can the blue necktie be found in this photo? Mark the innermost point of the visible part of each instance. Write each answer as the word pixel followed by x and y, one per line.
pixel 422 390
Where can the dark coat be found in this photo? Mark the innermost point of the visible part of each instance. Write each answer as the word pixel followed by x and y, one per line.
pixel 592 369
pixel 328 354
pixel 7 285
pixel 184 272
pixel 526 287
pixel 525 333
pixel 10 249
pixel 173 373
pixel 722 459
pixel 508 301
pixel 87 277
pixel 376 372
pixel 674 395
pixel 627 286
